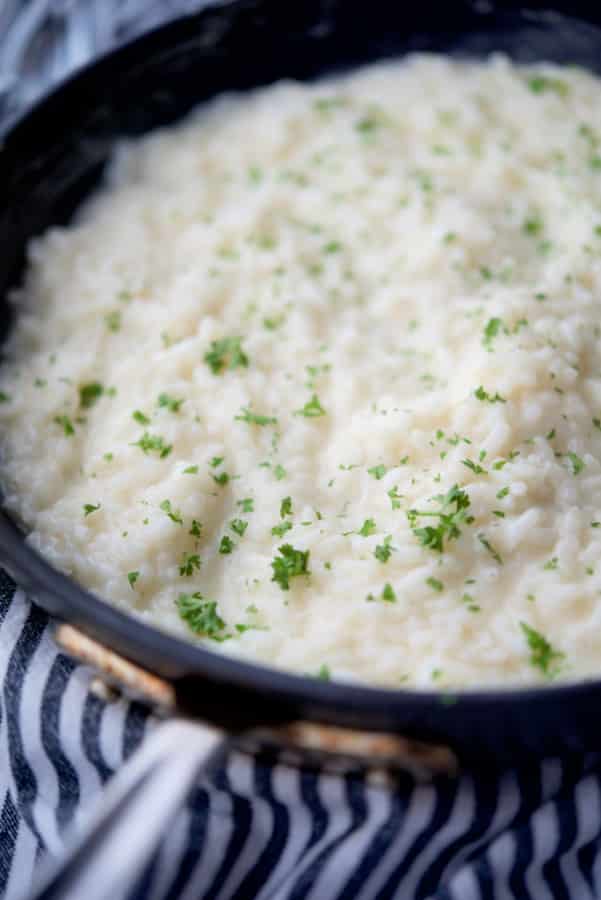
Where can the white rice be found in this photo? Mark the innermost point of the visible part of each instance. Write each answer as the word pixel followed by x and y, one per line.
pixel 375 228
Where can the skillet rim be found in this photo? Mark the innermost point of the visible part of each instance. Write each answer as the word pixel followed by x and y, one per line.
pixel 373 707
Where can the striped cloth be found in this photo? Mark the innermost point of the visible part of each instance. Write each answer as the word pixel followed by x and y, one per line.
pixel 274 832
pixel 253 830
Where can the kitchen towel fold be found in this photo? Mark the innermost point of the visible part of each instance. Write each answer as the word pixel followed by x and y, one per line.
pixel 253 830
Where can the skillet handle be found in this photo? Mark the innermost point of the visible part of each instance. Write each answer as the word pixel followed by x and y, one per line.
pixel 133 814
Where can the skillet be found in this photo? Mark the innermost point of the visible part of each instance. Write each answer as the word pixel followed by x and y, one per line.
pixel 51 160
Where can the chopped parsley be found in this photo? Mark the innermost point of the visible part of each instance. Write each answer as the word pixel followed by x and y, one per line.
pixel 216 461
pixel 395 497
pixel 324 673
pixel 190 562
pixel 377 472
pixel 226 545
pixel 435 584
pixel 286 507
pixel 451 515
pixel 491 331
pixel 201 616
pixel 238 526
pixel 221 479
pixel 367 125
pixel 140 418
pixel 542 654
pixel 488 546
pixel 89 508
pixel 90 393
pixel 368 527
pixel 532 226
pixel 132 577
pixel 195 528
pixel 113 320
pixel 387 596
pixel 279 472
pixel 171 403
pixel 191 470
pixel 312 409
pixel 254 419
pixel 173 514
pixel 153 443
pixel 577 463
pixel 226 354
pixel 384 551
pixel 475 467
pixel 66 424
pixel 481 394
pixel 4 398
pixel 551 564
pixel 502 493
pixel 469 601
pixel 246 505
pixel 281 528
pixel 289 564
pixel 541 84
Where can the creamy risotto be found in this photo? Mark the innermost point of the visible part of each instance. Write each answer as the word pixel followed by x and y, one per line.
pixel 315 378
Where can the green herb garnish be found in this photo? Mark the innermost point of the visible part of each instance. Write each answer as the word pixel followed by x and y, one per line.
pixel 395 497
pixel 190 562
pixel 451 515
pixel 324 673
pixel 476 468
pixel 90 393
pixel 281 528
pixel 89 508
pixel 481 394
pixel 227 545
pixel 226 354
pixel 113 320
pixel 577 463
pixel 289 564
pixel 384 551
pixel 201 616
pixel 388 594
pixel 368 527
pixel 312 409
pixel 66 424
pixel 170 403
pixel 254 419
pixel 435 584
pixel 153 443
pixel 238 526
pixel 488 546
pixel 195 528
pixel 132 577
pixel 173 514
pixel 491 331
pixel 542 655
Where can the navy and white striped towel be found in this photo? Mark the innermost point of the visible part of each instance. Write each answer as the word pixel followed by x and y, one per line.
pixel 252 830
